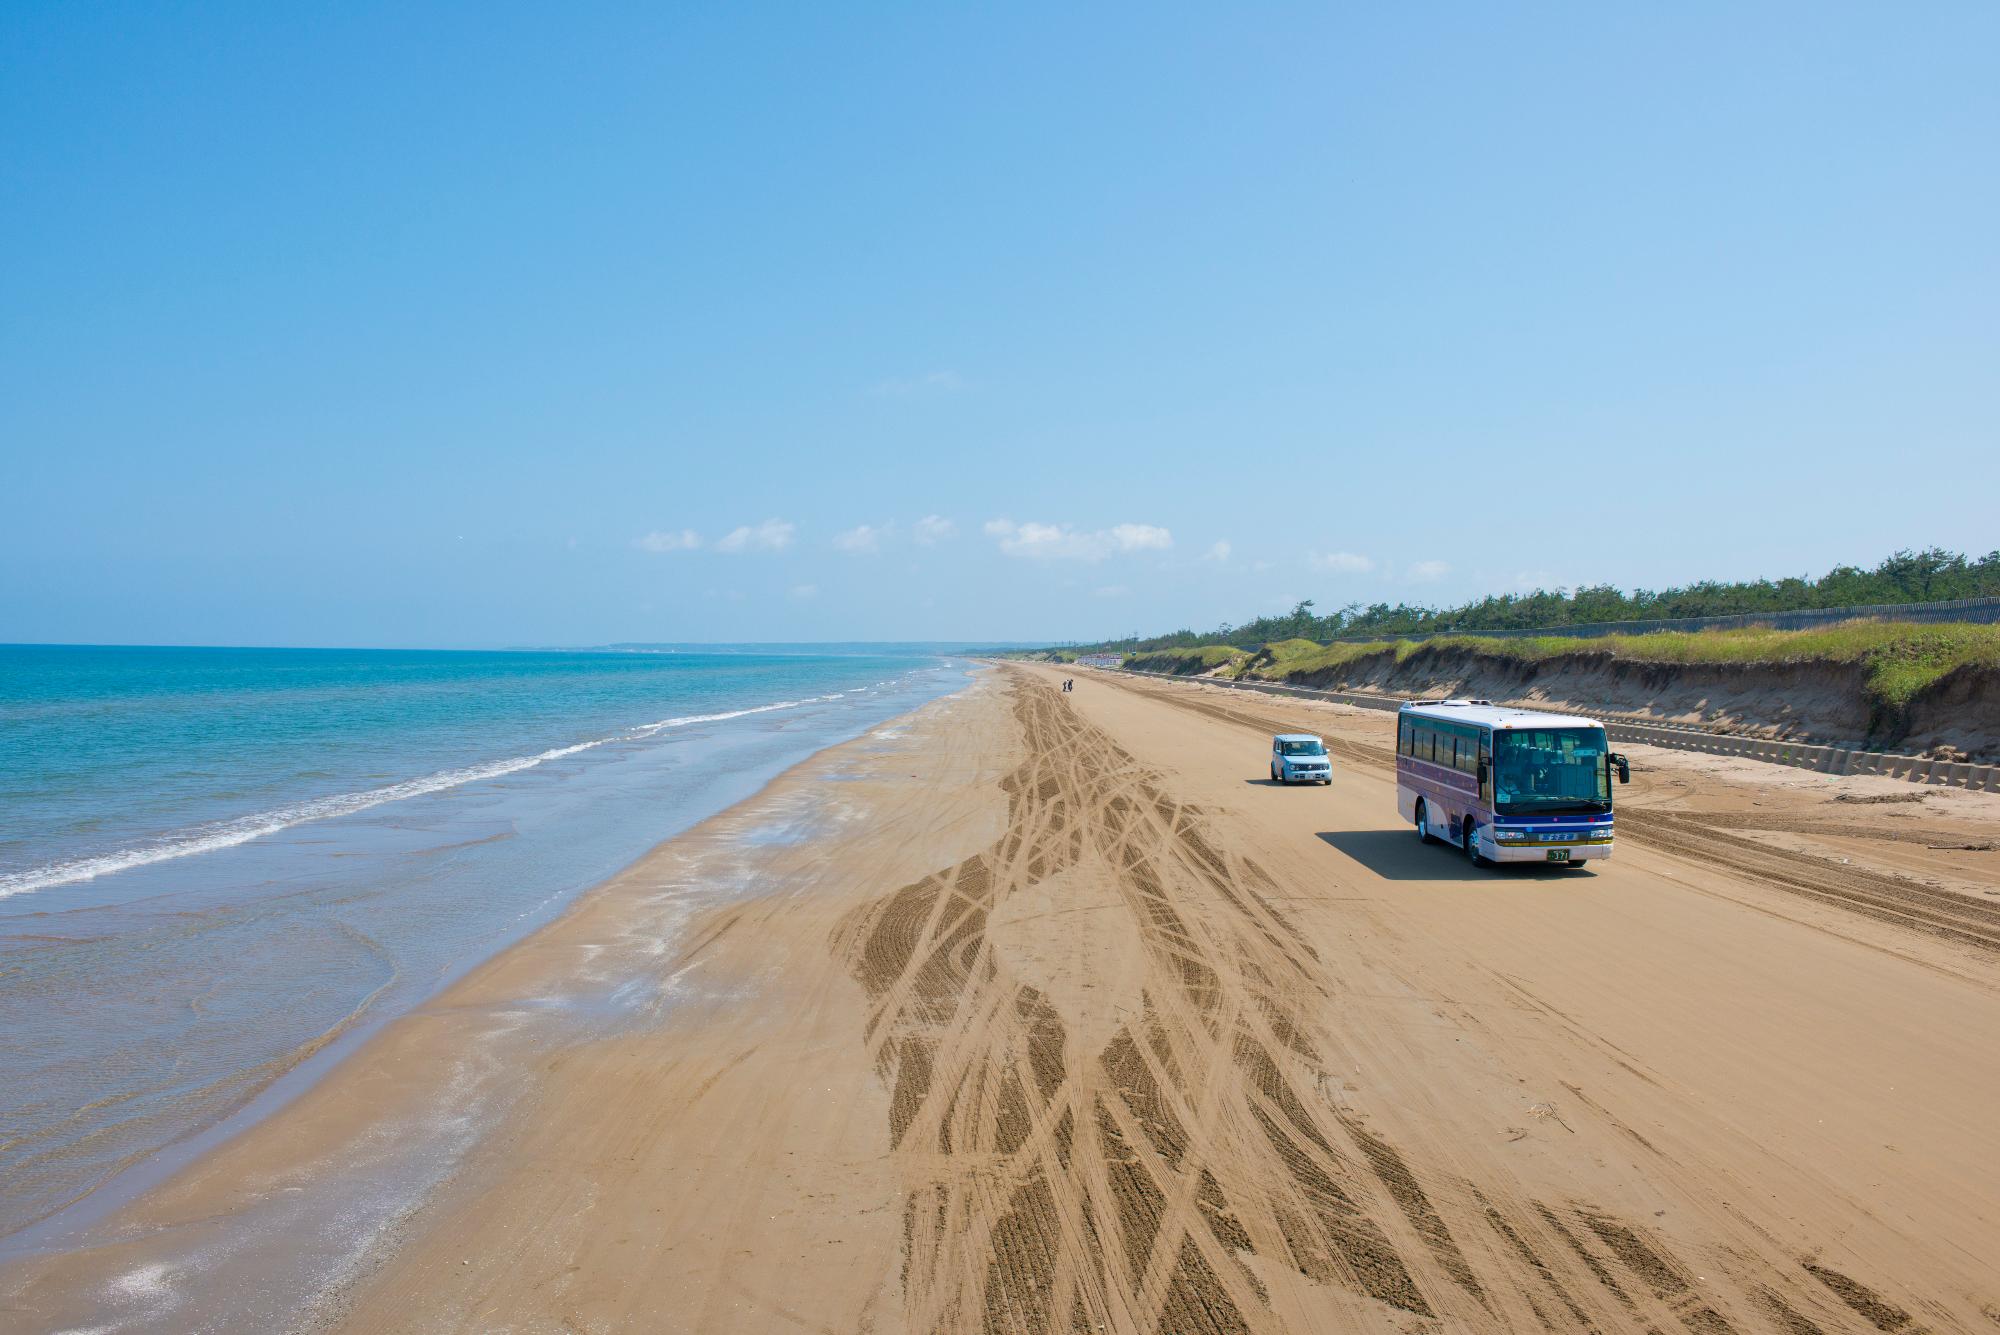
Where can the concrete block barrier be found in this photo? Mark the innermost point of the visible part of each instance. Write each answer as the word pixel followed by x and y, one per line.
pixel 1684 737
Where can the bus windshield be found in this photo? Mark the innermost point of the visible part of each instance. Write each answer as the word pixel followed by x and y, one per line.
pixel 1550 771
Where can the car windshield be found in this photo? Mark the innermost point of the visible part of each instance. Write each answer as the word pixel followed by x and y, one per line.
pixel 1302 748
pixel 1550 771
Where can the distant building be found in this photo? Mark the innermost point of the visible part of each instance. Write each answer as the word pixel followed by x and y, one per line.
pixel 1100 660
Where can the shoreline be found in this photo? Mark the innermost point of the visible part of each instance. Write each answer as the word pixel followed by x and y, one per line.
pixel 555 868
pixel 153 1013
pixel 100 1243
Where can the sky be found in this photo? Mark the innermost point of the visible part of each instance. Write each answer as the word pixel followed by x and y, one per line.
pixel 413 325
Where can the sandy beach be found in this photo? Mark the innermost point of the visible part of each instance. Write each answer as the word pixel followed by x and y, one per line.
pixel 1041 1011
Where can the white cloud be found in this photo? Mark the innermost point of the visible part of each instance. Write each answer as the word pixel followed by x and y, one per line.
pixel 1342 563
pixel 1220 550
pixel 773 535
pixel 805 590
pixel 933 529
pixel 931 382
pixel 1112 591
pixel 1428 572
pixel 686 540
pixel 1061 542
pixel 1141 537
pixel 862 539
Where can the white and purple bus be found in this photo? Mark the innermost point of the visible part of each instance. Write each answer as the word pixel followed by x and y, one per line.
pixel 1506 785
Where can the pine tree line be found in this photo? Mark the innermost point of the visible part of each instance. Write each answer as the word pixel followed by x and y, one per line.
pixel 1929 576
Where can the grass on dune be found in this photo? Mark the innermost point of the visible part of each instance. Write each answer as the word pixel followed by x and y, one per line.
pixel 1197 659
pixel 1901 658
pixel 1297 658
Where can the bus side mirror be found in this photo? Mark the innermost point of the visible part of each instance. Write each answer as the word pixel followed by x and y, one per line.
pixel 1624 767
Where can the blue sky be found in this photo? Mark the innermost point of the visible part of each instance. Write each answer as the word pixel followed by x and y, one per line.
pixel 401 325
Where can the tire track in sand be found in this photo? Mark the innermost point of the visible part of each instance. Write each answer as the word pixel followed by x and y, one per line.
pixel 1707 837
pixel 1154 1180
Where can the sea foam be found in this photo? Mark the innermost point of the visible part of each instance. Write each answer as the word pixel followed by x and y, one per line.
pixel 241 830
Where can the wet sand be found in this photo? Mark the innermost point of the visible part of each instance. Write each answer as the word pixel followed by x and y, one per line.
pixel 1047 1012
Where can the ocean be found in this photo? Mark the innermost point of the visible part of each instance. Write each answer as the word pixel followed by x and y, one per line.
pixel 217 865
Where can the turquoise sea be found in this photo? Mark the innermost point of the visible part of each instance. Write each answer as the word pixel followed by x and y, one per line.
pixel 216 864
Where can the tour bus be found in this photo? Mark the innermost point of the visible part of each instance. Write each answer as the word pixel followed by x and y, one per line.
pixel 1506 785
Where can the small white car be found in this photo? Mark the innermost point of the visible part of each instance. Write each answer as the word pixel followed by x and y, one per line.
pixel 1300 756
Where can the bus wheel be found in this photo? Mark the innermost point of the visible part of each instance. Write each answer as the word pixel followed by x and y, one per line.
pixel 1470 842
pixel 1424 823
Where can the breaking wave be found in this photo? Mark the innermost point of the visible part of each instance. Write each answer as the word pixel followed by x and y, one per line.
pixel 242 829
